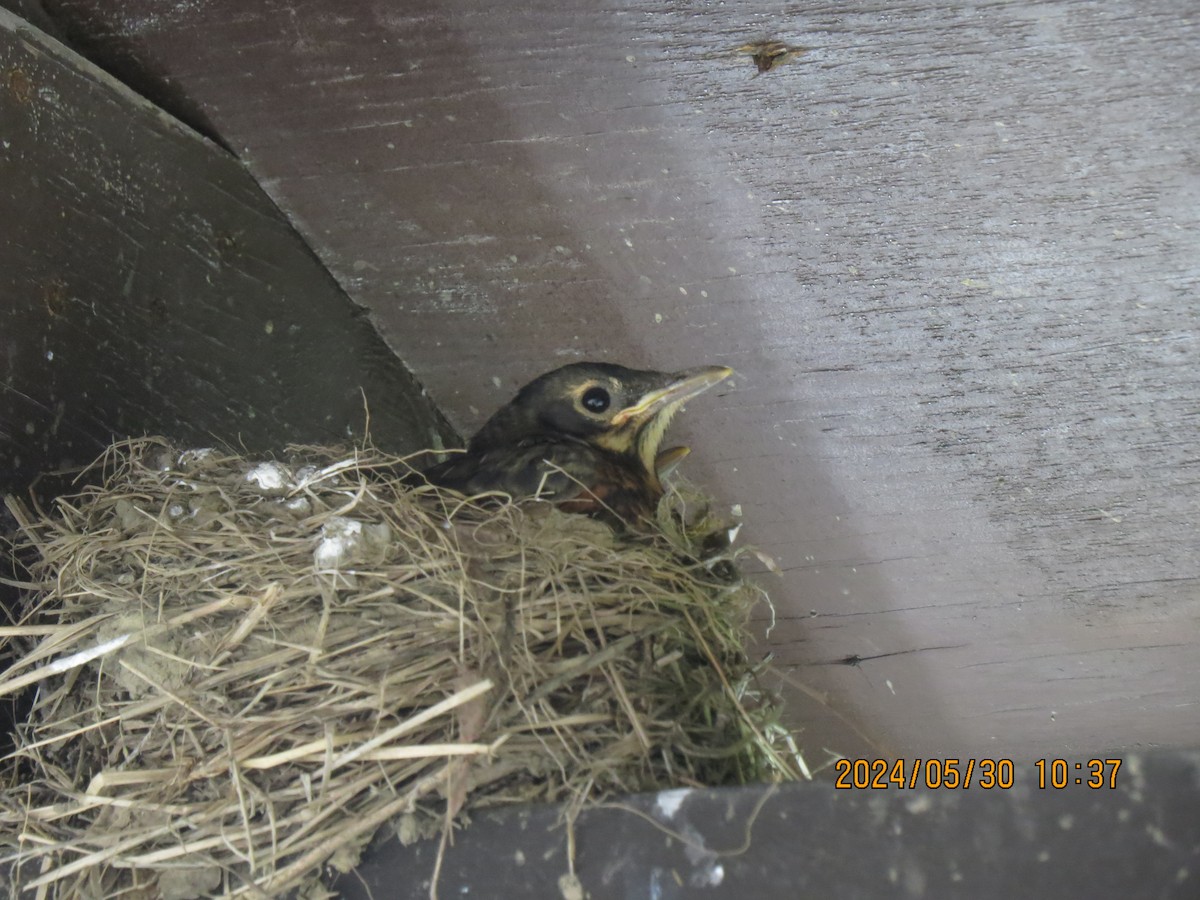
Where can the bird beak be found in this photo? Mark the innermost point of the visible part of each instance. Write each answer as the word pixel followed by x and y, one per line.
pixel 640 427
pixel 668 460
pixel 683 386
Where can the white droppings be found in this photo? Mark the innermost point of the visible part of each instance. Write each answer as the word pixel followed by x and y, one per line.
pixel 709 876
pixel 570 887
pixel 268 476
pixel 496 381
pixel 191 457
pixel 658 317
pixel 668 802
pixel 732 533
pixel 1066 822
pixel 888 682
pixel 340 537
pixel 50 355
pixel 736 510
pixel 305 474
pixel 920 803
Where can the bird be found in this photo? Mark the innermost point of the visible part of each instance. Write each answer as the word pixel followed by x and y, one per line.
pixel 585 436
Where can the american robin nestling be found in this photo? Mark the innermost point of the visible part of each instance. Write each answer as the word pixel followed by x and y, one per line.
pixel 585 436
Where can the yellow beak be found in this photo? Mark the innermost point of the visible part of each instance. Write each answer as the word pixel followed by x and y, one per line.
pixel 682 387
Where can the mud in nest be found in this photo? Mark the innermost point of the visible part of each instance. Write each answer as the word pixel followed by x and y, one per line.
pixel 243 669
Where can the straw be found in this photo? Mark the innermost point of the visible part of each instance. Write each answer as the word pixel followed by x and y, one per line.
pixel 243 668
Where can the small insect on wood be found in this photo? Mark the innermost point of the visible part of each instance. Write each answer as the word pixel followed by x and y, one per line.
pixel 767 55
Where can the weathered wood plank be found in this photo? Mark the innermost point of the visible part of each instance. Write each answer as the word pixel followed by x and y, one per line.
pixel 813 840
pixel 148 285
pixel 954 252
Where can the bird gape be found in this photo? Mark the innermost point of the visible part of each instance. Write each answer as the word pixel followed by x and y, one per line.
pixel 586 436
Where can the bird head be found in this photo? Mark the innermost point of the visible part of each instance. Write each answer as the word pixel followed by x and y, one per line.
pixel 622 411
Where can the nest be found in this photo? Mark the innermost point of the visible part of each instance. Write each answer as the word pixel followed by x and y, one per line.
pixel 244 669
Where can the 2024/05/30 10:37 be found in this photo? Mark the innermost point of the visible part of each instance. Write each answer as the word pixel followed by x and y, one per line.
pixel 985 774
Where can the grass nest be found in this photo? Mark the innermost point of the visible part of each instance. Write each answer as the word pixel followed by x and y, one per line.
pixel 243 669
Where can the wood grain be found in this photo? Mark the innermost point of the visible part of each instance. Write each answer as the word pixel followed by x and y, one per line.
pixel 149 286
pixel 953 252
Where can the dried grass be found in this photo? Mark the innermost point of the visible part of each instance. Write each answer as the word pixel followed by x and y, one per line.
pixel 244 669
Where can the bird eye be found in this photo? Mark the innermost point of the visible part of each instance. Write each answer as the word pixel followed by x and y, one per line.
pixel 595 400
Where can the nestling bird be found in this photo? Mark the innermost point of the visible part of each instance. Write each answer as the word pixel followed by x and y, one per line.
pixel 586 436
